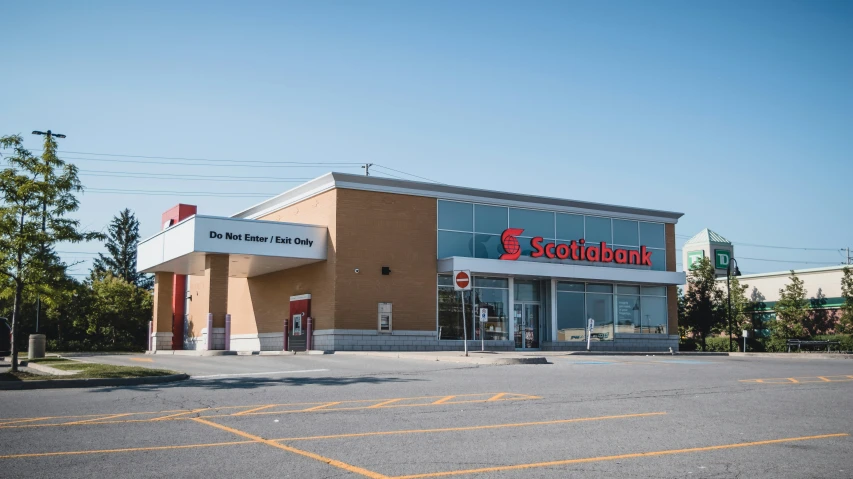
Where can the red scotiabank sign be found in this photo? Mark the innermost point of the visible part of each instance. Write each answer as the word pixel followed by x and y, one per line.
pixel 575 250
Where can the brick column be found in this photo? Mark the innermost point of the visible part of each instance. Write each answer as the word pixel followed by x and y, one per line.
pixel 162 320
pixel 216 276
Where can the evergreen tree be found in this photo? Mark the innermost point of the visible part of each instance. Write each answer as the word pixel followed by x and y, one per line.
pixel 818 321
pixel 38 194
pixel 702 300
pixel 792 310
pixel 846 320
pixel 120 260
pixel 740 307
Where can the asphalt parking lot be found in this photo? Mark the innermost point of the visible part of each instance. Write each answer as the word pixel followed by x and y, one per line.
pixel 359 416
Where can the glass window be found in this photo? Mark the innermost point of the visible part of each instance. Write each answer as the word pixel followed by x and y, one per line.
pixel 653 317
pixel 455 216
pixel 526 290
pixel 450 313
pixel 571 320
pixel 599 288
pixel 654 290
pixel 455 244
pixel 652 235
pixel 481 282
pixel 569 227
pixel 625 289
pixel 626 233
pixel 627 313
pixel 496 301
pixel 658 259
pixel 600 308
pixel 598 229
pixel 566 286
pixel 489 219
pixel 534 223
pixel 487 246
pixel 445 280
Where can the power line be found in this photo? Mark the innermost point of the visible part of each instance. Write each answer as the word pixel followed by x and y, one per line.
pixel 309 163
pixel 188 177
pixel 179 193
pixel 242 164
pixel 774 247
pixel 409 174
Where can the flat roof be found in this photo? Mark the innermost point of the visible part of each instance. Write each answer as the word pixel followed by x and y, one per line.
pixel 822 269
pixel 448 192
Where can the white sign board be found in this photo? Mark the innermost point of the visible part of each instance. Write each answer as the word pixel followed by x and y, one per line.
pixel 462 280
pixel 484 315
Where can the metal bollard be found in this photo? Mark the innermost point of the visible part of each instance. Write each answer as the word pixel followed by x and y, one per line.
pixel 209 331
pixel 228 332
pixel 285 335
pixel 309 334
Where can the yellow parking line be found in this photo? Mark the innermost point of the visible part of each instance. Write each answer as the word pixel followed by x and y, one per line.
pixel 329 461
pixel 105 418
pixel 443 400
pixel 173 416
pixel 823 378
pixel 384 403
pixel 469 428
pixel 617 457
pixel 496 397
pixel 143 360
pixel 316 408
pixel 129 449
pixel 248 411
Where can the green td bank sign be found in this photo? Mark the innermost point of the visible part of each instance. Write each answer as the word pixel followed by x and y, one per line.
pixel 722 258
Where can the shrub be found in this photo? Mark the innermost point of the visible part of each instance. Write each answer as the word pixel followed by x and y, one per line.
pixel 846 341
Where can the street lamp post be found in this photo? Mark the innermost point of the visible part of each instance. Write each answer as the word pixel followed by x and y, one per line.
pixel 729 295
pixel 48 134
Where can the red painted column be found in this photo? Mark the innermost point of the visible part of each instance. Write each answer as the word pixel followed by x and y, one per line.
pixel 171 217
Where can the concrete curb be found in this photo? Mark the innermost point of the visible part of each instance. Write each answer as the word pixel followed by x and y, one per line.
pixel 88 383
pixel 47 369
pixel 474 358
pixel 793 355
pixel 648 353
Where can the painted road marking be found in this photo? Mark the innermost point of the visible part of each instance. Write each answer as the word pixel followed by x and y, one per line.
pixel 618 457
pixel 329 461
pixel 239 375
pixel 342 436
pixel 264 409
pixel 801 380
pixel 142 360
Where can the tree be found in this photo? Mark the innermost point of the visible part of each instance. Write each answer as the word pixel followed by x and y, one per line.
pixel 792 310
pixel 846 320
pixel 118 314
pixel 120 260
pixel 740 306
pixel 818 321
pixel 702 299
pixel 37 193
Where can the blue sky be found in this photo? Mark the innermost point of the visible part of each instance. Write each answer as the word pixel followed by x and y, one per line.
pixel 737 114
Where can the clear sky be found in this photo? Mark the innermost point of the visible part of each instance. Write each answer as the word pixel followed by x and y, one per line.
pixel 738 114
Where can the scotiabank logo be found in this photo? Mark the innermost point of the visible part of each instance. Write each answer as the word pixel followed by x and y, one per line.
pixel 510 243
pixel 575 250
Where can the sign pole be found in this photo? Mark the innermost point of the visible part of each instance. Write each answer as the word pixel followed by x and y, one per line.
pixel 589 333
pixel 464 324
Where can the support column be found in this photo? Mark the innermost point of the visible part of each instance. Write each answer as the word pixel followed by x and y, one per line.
pixel 216 275
pixel 161 336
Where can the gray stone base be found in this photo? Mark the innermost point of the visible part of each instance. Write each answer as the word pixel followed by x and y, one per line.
pixel 621 342
pixel 370 340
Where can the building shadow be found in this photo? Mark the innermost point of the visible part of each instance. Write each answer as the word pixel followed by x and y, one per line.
pixel 247 383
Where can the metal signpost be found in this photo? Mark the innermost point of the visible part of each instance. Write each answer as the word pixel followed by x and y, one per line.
pixel 589 333
pixel 462 283
pixel 484 316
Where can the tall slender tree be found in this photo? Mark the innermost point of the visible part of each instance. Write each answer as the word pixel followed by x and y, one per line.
pixel 36 191
pixel 702 301
pixel 120 260
pixel 792 310
pixel 846 320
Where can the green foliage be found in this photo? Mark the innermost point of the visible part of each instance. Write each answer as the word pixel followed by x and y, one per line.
pixel 118 314
pixel 845 340
pixel 38 195
pixel 792 310
pixel 702 302
pixel 120 260
pixel 845 324
pixel 718 344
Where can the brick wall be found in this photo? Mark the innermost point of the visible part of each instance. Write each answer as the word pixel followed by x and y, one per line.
pixel 671 291
pixel 163 285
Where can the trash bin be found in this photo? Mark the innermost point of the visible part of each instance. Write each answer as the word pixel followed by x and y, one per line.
pixel 37 346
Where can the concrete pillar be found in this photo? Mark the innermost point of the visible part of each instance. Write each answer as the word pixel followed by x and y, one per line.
pixel 216 276
pixel 163 314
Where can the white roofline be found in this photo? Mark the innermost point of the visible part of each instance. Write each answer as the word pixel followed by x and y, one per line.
pixel 822 269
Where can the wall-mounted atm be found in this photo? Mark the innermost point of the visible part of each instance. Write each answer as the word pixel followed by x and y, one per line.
pixel 300 309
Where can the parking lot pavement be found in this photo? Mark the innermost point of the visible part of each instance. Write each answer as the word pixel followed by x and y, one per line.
pixel 397 418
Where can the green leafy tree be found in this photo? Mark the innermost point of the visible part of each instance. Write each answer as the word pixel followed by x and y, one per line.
pixel 118 314
pixel 702 299
pixel 792 310
pixel 740 307
pixel 846 321
pixel 120 260
pixel 818 320
pixel 38 194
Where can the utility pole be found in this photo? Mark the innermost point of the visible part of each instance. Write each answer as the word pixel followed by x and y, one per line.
pixel 847 249
pixel 48 134
pixel 367 168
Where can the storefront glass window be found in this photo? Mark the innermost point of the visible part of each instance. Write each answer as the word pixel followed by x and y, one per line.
pixel 627 314
pixel 653 319
pixel 598 230
pixel 455 216
pixel 646 313
pixel 534 223
pixel 652 235
pixel 526 291
pixel 599 288
pixel 487 246
pixel 490 219
pixel 569 227
pixel 451 243
pixel 492 294
pixel 658 259
pixel 600 308
pixel 571 321
pixel 566 286
pixel 626 233
pixel 450 310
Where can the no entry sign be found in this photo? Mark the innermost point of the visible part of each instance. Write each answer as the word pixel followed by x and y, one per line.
pixel 461 280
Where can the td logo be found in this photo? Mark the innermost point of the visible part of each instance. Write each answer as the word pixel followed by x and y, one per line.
pixel 693 259
pixel 721 258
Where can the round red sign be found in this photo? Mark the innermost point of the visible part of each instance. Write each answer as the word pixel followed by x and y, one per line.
pixel 462 279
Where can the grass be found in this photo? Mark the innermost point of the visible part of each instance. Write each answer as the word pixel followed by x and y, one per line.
pixel 87 371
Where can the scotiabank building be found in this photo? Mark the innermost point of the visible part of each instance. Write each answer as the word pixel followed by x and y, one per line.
pixel 346 262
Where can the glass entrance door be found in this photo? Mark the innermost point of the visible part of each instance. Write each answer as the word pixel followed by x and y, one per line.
pixel 526 325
